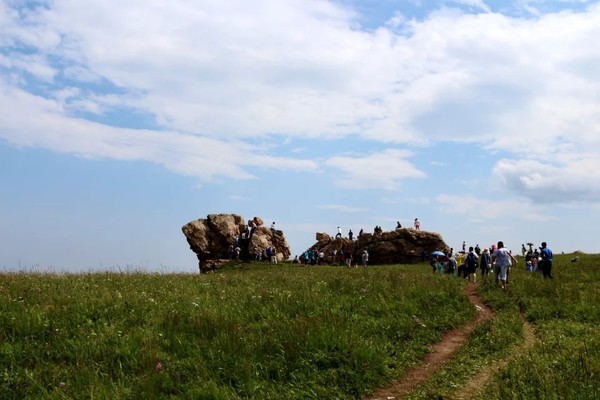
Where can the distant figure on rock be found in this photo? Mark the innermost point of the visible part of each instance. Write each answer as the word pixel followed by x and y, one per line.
pixel 398 225
pixel 350 234
pixel 273 227
pixel 252 226
pixel 339 233
pixel 360 232
pixel 417 224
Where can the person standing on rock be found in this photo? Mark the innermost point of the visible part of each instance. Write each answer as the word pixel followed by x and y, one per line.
pixel 417 224
pixel 350 234
pixel 339 233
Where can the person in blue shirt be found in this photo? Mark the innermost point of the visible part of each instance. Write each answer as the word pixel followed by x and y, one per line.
pixel 547 256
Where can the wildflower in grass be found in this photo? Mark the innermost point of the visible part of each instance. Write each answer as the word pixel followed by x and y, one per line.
pixel 159 366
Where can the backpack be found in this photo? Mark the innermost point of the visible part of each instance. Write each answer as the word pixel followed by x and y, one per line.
pixel 472 261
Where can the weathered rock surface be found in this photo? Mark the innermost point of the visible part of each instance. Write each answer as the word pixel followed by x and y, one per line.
pixel 211 238
pixel 399 246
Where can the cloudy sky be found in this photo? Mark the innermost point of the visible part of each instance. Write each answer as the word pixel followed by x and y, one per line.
pixel 120 121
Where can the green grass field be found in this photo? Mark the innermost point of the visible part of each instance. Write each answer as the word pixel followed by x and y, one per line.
pixel 288 332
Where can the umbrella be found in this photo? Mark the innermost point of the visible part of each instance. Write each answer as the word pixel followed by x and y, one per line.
pixel 438 253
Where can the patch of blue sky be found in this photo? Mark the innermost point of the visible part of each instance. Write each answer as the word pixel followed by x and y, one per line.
pixel 373 14
pixel 122 117
pixel 45 176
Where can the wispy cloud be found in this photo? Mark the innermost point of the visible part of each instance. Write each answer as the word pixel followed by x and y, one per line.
pixel 479 209
pixel 296 69
pixel 341 208
pixel 380 170
pixel 191 155
pixel 575 181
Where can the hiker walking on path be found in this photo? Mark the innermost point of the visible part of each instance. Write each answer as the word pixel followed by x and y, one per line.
pixel 485 263
pixel 503 260
pixel 472 263
pixel 546 261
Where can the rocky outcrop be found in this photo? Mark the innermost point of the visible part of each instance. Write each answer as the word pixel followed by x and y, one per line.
pixel 399 246
pixel 214 238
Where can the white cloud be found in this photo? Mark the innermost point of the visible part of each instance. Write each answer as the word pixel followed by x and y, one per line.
pixel 227 72
pixel 380 170
pixel 189 155
pixel 478 209
pixel 578 180
pixel 341 208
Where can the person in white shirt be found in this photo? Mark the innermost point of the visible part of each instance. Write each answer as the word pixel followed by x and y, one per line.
pixel 503 260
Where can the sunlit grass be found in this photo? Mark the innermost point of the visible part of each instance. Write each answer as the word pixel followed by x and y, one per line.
pixel 284 332
pixel 260 331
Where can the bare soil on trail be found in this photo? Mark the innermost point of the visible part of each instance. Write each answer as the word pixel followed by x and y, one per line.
pixel 475 386
pixel 441 352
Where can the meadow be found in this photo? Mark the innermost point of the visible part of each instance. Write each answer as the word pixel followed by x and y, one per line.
pixel 263 331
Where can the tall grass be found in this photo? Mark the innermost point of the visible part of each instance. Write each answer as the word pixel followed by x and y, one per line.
pixel 287 332
pixel 565 364
pixel 264 332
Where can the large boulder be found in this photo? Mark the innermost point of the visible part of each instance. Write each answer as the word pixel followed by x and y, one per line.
pixel 213 238
pixel 398 246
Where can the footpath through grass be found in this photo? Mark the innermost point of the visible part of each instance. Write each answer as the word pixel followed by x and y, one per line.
pixel 261 331
pixel 565 361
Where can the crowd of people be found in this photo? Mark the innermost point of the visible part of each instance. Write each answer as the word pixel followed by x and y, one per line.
pixel 239 246
pixel 377 231
pixel 496 260
pixel 344 257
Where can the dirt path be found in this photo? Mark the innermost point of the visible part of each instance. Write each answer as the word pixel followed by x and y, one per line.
pixel 440 354
pixel 475 386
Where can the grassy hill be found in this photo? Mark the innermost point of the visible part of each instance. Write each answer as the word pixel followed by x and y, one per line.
pixel 283 332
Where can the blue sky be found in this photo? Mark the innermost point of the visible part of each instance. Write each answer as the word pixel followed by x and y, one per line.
pixel 122 121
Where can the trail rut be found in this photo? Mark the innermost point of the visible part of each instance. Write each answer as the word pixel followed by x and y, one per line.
pixel 443 351
pixel 440 354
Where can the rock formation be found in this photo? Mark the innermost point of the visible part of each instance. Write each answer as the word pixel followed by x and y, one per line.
pixel 213 238
pixel 399 246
